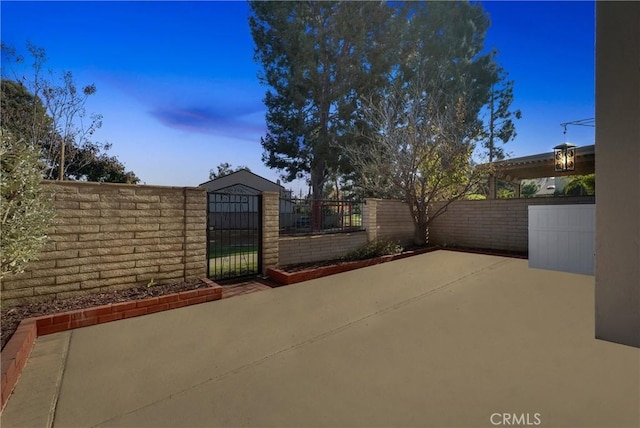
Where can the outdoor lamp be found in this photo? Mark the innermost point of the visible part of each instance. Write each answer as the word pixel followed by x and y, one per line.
pixel 565 156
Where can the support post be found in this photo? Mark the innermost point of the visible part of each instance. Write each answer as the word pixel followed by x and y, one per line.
pixel 617 290
pixel 492 187
pixel 270 230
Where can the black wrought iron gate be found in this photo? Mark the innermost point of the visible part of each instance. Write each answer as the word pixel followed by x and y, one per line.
pixel 234 235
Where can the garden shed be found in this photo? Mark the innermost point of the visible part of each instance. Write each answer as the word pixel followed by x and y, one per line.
pixel 233 198
pixel 243 182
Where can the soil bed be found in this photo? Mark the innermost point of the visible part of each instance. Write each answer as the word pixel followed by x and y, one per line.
pixel 11 317
pixel 314 265
pixel 294 273
pixel 337 262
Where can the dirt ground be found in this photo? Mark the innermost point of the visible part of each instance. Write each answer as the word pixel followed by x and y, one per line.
pixel 11 317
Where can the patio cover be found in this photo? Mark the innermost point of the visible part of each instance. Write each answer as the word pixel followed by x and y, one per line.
pixel 542 165
pixel 539 166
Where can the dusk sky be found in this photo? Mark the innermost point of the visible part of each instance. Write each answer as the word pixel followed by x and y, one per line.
pixel 178 87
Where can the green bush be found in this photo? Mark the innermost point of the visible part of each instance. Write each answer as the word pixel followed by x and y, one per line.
pixel 476 197
pixel 581 185
pixel 529 190
pixel 373 249
pixel 25 209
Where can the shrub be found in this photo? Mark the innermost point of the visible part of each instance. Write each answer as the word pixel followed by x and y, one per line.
pixel 580 185
pixel 25 211
pixel 529 190
pixel 476 197
pixel 373 249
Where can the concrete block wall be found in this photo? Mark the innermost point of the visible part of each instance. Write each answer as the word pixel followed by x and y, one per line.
pixel 383 219
pixel 312 248
pixel 115 236
pixel 270 230
pixel 499 224
pixel 389 220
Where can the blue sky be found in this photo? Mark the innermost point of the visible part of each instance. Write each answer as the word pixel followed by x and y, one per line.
pixel 178 87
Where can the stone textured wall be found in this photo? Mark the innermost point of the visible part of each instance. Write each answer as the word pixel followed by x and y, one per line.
pixel 389 220
pixel 270 230
pixel 383 219
pixel 312 248
pixel 499 224
pixel 115 236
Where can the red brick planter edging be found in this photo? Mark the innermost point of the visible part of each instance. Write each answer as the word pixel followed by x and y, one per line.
pixel 287 278
pixel 17 350
pixel 14 356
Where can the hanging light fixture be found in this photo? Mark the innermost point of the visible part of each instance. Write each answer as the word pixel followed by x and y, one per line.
pixel 565 157
pixel 565 154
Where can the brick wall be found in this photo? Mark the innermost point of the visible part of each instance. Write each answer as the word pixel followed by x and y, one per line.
pixel 389 220
pixel 500 224
pixel 312 248
pixel 115 236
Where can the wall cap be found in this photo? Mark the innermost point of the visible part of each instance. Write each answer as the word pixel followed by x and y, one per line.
pixel 120 185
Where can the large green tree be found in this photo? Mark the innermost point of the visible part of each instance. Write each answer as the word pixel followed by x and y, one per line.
pixel 448 38
pixel 441 50
pixel 500 127
pixel 48 111
pixel 317 59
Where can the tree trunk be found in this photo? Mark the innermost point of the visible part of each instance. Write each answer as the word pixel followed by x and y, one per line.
pixel 491 125
pixel 419 236
pixel 317 183
pixel 61 167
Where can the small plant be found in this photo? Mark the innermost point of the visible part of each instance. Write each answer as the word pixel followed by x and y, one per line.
pixel 151 283
pixel 373 249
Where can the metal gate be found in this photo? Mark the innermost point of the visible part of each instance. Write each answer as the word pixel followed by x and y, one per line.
pixel 234 235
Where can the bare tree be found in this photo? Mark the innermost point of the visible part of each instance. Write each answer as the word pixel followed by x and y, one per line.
pixel 421 150
pixel 66 106
pixel 54 116
pixel 225 168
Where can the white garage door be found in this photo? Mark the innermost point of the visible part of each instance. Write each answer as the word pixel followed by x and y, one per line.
pixel 562 237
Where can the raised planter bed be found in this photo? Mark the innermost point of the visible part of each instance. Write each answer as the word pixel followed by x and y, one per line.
pixel 16 352
pixel 283 277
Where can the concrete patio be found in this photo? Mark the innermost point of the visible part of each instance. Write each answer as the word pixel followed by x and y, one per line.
pixel 443 339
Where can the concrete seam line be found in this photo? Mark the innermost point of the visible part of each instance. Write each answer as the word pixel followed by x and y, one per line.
pixel 310 340
pixel 435 290
pixel 61 370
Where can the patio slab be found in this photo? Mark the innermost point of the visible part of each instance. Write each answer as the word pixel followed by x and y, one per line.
pixel 442 339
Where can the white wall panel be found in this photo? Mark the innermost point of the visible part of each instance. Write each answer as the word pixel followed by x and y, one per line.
pixel 562 237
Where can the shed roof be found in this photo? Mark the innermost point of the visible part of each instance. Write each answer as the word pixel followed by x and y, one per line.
pixel 244 177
